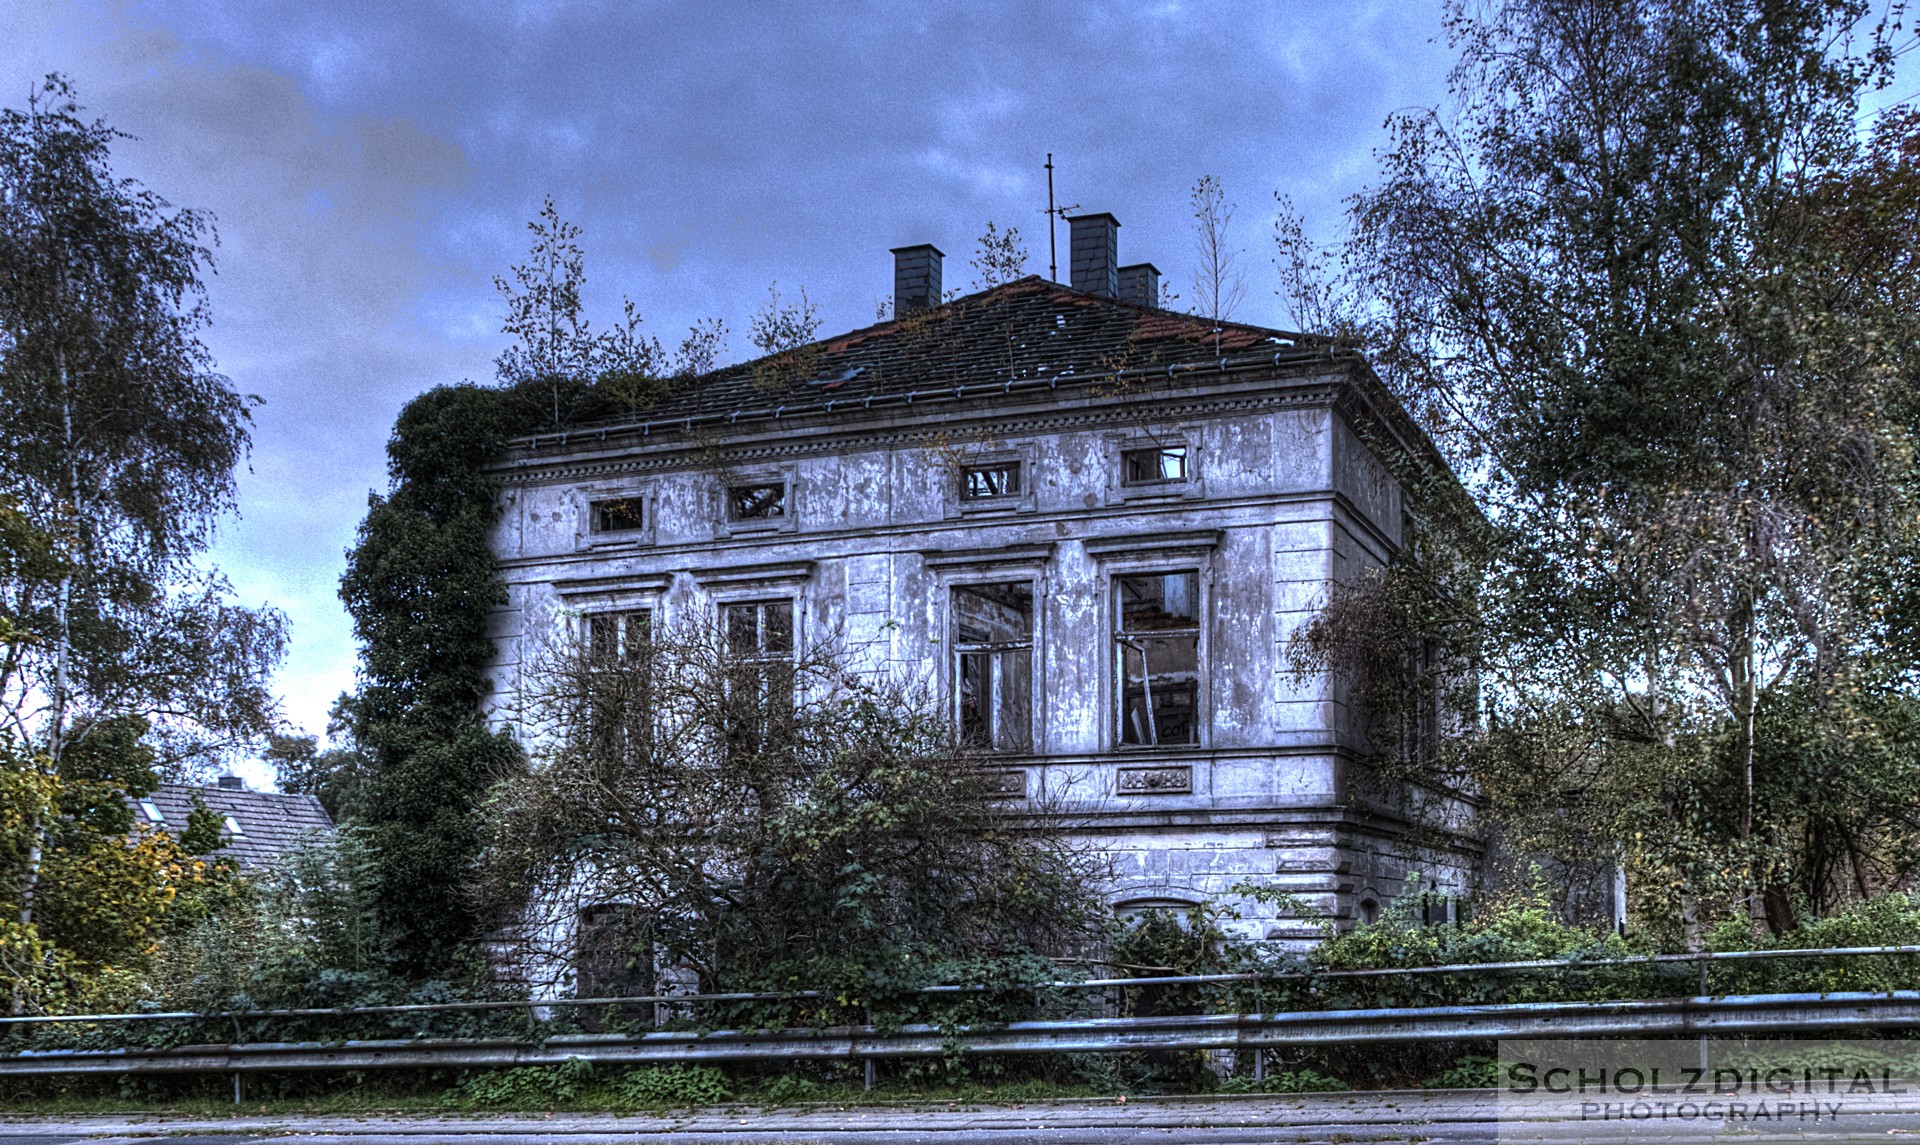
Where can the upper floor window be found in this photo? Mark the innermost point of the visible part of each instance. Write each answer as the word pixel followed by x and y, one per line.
pixel 617 515
pixel 1154 465
pixel 993 665
pixel 757 502
pixel 988 481
pixel 1156 656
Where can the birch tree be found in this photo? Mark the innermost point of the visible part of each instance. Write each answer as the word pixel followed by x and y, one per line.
pixel 119 455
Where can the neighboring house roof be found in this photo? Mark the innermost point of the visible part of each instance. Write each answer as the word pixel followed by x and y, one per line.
pixel 261 826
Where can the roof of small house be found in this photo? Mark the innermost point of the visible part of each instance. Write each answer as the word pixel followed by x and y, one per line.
pixel 261 827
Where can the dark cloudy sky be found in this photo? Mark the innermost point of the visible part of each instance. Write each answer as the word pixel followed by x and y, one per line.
pixel 372 165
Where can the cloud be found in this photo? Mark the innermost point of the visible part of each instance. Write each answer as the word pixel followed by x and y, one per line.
pixel 372 165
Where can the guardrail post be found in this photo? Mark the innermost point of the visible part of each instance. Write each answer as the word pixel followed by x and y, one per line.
pixel 866 1064
pixel 1705 958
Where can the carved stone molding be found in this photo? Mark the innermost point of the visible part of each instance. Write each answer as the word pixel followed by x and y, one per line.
pixel 1154 780
pixel 1011 782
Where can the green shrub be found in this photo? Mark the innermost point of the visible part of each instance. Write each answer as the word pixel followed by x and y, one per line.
pixel 673 1085
pixel 790 1088
pixel 527 1087
pixel 1288 1081
pixel 1474 1071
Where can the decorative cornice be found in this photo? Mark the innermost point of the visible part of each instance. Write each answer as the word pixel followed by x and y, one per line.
pixel 979 558
pixel 679 453
pixel 787 572
pixel 1163 542
pixel 614 582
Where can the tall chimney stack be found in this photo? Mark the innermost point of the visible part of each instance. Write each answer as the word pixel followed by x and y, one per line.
pixel 1140 284
pixel 1094 253
pixel 916 278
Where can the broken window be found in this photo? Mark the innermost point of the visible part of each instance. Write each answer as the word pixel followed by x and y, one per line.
pixel 1155 465
pixel 618 515
pixel 1156 654
pixel 619 692
pixel 613 958
pixel 759 644
pixel 757 502
pixel 985 482
pixel 993 669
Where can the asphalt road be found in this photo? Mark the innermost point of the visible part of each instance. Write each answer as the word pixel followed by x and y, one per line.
pixel 1456 1118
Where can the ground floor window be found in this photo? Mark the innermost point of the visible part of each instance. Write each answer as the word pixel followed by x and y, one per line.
pixel 1156 657
pixel 993 665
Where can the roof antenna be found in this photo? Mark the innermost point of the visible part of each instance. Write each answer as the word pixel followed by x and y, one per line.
pixel 1053 213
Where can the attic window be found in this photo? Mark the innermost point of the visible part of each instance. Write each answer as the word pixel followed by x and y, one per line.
pixel 233 828
pixel 985 482
pixel 618 515
pixel 757 502
pixel 152 812
pixel 1155 465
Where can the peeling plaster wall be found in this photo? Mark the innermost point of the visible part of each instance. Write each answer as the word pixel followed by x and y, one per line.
pixel 1283 501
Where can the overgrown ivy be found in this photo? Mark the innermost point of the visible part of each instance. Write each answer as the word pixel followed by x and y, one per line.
pixel 420 583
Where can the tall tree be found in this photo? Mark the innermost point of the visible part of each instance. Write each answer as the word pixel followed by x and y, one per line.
pixel 557 355
pixel 119 453
pixel 999 257
pixel 1623 282
pixel 1218 285
pixel 422 579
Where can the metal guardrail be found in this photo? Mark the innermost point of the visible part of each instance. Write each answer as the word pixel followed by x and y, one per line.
pixel 1756 1013
pixel 1703 959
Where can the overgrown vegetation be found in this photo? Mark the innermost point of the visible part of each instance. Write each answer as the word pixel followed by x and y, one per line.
pixel 749 817
pixel 1648 284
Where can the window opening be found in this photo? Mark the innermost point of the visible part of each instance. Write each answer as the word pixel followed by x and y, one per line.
pixel 985 482
pixel 613 958
pixel 619 693
pixel 1157 658
pixel 993 670
pixel 757 502
pixel 618 515
pixel 759 643
pixel 1155 465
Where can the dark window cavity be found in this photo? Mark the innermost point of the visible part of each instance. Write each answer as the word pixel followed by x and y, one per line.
pixel 760 670
pixel 613 958
pixel 1156 655
pixel 985 482
pixel 618 515
pixel 619 692
pixel 616 636
pixel 1156 465
pixel 993 669
pixel 757 502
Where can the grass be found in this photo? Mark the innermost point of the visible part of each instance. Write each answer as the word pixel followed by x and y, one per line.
pixel 594 1098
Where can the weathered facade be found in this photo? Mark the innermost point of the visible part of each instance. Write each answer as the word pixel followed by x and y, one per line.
pixel 1091 523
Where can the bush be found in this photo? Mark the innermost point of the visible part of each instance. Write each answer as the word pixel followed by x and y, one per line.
pixel 527 1087
pixel 673 1085
pixel 1474 1071
pixel 790 1088
pixel 1289 1081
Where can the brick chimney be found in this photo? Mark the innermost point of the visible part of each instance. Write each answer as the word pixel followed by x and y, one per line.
pixel 1094 254
pixel 916 278
pixel 1140 284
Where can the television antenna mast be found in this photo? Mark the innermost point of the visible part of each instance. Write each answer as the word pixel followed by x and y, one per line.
pixel 1054 213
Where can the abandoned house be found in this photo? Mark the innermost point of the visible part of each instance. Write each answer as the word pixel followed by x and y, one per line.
pixel 1093 522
